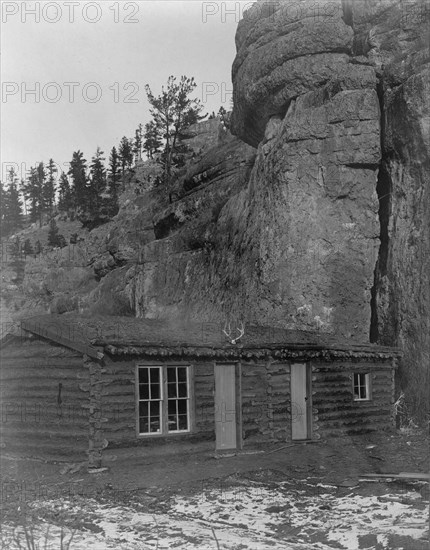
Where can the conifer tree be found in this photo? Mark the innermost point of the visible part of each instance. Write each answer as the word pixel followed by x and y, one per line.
pixel 3 208
pixel 14 207
pixel 33 191
pixel 113 183
pixel 78 175
pixel 49 187
pixel 41 177
pixel 125 152
pixel 53 233
pixel 65 202
pixel 173 111
pixel 137 146
pixel 151 140
pixel 97 186
pixel 11 205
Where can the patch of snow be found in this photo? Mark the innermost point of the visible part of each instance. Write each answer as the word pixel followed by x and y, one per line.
pixel 237 518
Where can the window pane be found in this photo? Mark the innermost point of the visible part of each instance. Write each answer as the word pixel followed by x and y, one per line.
pixel 143 375
pixel 143 408
pixel 171 390
pixel 155 375
pixel 143 391
pixel 173 422
pixel 182 374
pixel 171 374
pixel 154 408
pixel 182 406
pixel 182 387
pixel 183 422
pixel 155 424
pixel 155 391
pixel 171 406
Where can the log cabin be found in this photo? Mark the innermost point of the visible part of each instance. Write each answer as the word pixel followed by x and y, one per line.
pixel 78 387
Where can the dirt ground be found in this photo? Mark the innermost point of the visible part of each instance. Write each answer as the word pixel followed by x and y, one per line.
pixel 310 496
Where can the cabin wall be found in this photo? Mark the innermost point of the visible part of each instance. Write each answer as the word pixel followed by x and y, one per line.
pixel 44 399
pixel 265 402
pixel 118 404
pixel 335 413
pixel 204 402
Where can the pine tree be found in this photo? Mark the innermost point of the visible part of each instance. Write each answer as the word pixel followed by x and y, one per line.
pixel 65 201
pixel 78 174
pixel 14 207
pixel 152 141
pixel 11 205
pixel 33 191
pixel 3 208
pixel 41 176
pixel 125 152
pixel 97 186
pixel 31 194
pixel 173 112
pixel 53 233
pixel 113 183
pixel 22 191
pixel 49 187
pixel 137 146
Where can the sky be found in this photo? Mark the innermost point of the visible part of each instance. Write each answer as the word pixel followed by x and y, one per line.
pixel 74 72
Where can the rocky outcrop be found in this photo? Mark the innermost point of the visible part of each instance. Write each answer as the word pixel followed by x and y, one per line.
pixel 176 275
pixel 284 49
pixel 308 78
pixel 313 108
pixel 395 35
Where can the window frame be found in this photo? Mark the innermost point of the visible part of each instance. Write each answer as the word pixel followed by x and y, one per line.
pixel 164 400
pixel 367 385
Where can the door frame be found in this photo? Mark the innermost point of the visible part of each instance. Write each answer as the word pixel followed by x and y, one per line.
pixel 238 400
pixel 308 400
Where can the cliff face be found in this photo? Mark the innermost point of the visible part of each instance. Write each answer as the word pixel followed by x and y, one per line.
pixel 335 96
pixel 313 108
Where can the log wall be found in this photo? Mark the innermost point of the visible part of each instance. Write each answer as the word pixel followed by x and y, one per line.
pixel 56 402
pixel 44 399
pixel 265 402
pixel 335 413
pixel 118 404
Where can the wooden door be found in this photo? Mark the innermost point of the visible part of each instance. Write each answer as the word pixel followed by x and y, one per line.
pixel 300 402
pixel 225 407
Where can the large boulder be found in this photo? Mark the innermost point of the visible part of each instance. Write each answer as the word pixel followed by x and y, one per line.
pixel 284 49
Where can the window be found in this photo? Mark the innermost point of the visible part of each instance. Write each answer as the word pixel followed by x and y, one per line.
pixel 163 399
pixel 361 387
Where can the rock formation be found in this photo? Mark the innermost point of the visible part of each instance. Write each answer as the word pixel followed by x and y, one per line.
pixel 335 96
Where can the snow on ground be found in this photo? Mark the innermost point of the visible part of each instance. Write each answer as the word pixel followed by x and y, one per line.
pixel 250 516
